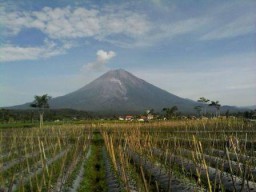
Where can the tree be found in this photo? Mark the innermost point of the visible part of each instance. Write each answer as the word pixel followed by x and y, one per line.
pixel 170 112
pixel 174 109
pixel 41 102
pixel 227 114
pixel 198 109
pixel 4 114
pixel 217 106
pixel 205 101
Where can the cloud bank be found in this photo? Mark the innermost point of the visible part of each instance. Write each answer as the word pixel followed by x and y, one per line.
pixel 70 23
pixel 120 26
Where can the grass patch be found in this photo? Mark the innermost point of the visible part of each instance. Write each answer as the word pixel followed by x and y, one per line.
pixel 94 177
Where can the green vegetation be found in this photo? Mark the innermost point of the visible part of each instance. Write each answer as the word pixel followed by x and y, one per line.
pixel 94 179
pixel 170 112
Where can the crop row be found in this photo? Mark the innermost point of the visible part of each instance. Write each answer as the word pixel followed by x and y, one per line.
pixel 234 170
pixel 152 176
pixel 50 166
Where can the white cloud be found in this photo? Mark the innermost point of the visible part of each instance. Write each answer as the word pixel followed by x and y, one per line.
pixel 9 52
pixel 102 58
pixel 185 26
pixel 126 27
pixel 68 23
pixel 106 24
pixel 171 30
pixel 238 26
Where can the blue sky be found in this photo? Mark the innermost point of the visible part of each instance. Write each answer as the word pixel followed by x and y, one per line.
pixel 190 48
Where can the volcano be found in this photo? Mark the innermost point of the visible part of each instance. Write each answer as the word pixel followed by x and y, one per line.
pixel 120 91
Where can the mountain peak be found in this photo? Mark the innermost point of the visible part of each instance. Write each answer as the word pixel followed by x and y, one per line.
pixel 119 72
pixel 119 90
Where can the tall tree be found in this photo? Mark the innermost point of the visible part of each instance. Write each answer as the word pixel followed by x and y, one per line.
pixel 4 113
pixel 170 112
pixel 227 114
pixel 198 109
pixel 204 101
pixel 217 106
pixel 41 102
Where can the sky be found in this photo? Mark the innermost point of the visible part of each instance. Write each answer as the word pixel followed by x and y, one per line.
pixel 190 48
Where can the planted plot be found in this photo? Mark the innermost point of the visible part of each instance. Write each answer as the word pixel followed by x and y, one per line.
pixel 122 175
pixel 94 169
pixel 76 177
pixel 132 157
pixel 46 160
pixel 190 152
pixel 163 178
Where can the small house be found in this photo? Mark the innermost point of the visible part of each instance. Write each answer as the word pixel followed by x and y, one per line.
pixel 128 117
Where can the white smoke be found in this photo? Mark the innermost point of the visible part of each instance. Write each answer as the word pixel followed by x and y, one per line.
pixel 102 58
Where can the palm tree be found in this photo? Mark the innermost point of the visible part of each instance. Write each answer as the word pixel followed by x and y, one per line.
pixel 205 101
pixel 217 105
pixel 41 102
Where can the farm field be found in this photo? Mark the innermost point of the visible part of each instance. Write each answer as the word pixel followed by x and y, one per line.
pixel 187 155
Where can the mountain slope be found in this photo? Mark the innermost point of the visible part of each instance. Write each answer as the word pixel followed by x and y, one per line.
pixel 120 91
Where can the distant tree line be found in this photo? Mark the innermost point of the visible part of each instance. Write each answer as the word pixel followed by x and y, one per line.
pixel 31 115
pixel 250 114
pixel 41 107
